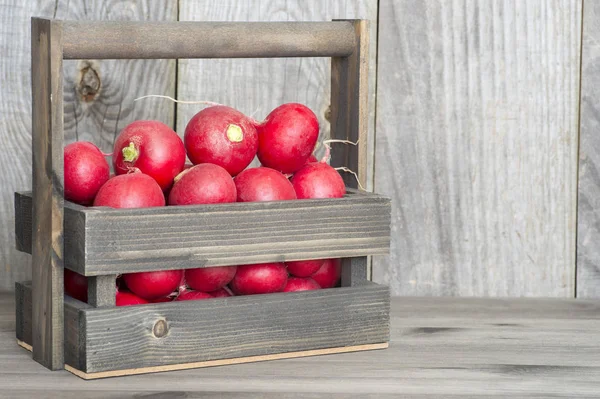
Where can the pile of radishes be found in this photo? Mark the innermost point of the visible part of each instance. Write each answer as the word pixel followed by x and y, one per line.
pixel 149 161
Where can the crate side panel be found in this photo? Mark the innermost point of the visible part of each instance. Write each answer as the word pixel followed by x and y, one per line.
pixel 225 328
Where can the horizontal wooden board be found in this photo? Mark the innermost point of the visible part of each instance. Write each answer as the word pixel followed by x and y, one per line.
pixel 123 338
pixel 110 241
pixel 135 39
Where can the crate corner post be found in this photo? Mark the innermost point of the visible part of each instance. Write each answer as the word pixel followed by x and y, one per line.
pixel 48 196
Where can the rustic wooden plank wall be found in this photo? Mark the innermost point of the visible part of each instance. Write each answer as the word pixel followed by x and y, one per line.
pixel 588 220
pixel 98 98
pixel 477 125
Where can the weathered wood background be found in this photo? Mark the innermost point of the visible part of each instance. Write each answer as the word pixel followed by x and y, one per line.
pixel 477 113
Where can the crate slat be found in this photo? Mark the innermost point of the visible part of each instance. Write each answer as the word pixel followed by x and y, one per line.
pixel 115 338
pixel 111 241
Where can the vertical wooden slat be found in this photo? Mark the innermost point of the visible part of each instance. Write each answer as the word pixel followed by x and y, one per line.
pixel 102 290
pixel 588 204
pixel 48 201
pixel 349 107
pixel 354 271
pixel 349 120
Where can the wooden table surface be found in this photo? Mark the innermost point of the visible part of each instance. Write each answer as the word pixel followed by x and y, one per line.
pixel 441 347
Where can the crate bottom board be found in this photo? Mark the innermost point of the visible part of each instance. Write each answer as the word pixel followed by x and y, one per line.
pixel 115 341
pixel 213 363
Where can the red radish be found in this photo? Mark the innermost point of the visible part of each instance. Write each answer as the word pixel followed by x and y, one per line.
pixel 304 268
pixel 329 274
pixel 153 285
pixel 263 184
pixel 261 278
pixel 125 298
pixel 209 279
pixel 222 136
pixel 203 184
pixel 287 137
pixel 301 284
pixel 86 171
pixel 134 190
pixel 192 296
pixel 76 285
pixel 153 148
pixel 318 180
pixel 222 293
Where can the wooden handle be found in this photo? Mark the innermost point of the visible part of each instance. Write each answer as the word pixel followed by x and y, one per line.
pixel 154 40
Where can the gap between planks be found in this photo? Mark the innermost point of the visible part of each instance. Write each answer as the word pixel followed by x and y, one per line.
pixel 212 363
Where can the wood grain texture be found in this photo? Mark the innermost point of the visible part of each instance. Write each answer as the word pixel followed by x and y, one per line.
pixel 354 271
pixel 440 347
pixel 102 290
pixel 48 194
pixel 122 338
pixel 477 126
pixel 90 114
pixel 112 241
pixel 588 206
pixel 349 108
pixel 256 86
pixel 15 125
pixel 110 40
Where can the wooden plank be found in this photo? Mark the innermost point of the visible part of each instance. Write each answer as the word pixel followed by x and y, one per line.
pixel 235 327
pixel 122 338
pixel 15 125
pixel 112 241
pixel 349 108
pixel 47 213
pixel 588 229
pixel 354 271
pixel 133 39
pixel 102 290
pixel 256 86
pixel 477 126
pixel 440 347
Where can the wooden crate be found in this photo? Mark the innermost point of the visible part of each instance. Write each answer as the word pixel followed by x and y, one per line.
pixel 98 339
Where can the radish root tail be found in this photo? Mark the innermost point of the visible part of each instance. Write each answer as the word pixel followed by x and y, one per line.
pixel 211 103
pixel 326 143
pixel 345 169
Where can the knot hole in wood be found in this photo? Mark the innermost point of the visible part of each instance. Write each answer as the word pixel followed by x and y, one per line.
pixel 160 328
pixel 89 83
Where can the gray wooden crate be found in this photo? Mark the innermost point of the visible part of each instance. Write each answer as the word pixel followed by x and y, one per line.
pixel 99 339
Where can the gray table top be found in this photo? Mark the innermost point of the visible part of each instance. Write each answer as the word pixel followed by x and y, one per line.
pixel 441 347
